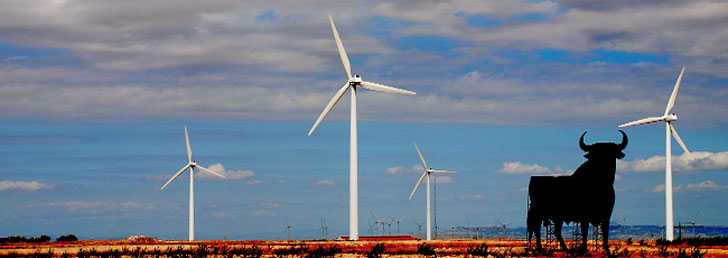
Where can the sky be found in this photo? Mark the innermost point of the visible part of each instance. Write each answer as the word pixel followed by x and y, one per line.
pixel 94 97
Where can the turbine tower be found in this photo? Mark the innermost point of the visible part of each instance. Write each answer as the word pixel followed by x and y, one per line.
pixel 352 82
pixel 191 165
pixel 668 118
pixel 427 173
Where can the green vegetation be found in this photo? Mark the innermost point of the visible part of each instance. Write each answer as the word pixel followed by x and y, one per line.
pixel 67 238
pixel 22 239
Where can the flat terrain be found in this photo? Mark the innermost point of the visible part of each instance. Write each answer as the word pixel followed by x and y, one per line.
pixel 439 248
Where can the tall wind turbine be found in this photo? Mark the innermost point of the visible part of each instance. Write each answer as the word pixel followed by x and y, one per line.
pixel 668 118
pixel 427 173
pixel 352 82
pixel 191 165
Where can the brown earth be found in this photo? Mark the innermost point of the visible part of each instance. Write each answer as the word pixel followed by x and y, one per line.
pixel 413 248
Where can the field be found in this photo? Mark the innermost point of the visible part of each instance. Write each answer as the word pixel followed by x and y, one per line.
pixel 436 248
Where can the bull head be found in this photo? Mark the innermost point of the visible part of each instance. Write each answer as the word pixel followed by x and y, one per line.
pixel 602 146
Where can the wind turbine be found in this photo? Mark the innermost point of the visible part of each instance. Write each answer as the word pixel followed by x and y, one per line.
pixel 419 226
pixel 324 229
pixel 352 82
pixel 288 230
pixel 191 165
pixel 427 173
pixel 668 118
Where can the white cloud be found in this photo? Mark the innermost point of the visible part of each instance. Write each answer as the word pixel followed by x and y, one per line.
pixel 535 169
pixel 270 205
pixel 25 186
pixel 443 179
pixel 95 206
pixel 217 167
pixel 700 161
pixel 324 182
pixel 264 213
pixel 702 186
pixel 520 168
pixel 267 209
pixel 229 174
pixel 251 69
pixel 282 181
pixel 415 169
pixel 706 186
pixel 222 214
pixel 254 182
pixel 471 197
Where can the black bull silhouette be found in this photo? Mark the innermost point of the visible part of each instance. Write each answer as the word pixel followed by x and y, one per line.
pixel 586 196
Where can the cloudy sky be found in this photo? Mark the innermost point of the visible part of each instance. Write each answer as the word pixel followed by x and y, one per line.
pixel 94 95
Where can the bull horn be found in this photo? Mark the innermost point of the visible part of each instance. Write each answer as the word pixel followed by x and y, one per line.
pixel 624 141
pixel 583 146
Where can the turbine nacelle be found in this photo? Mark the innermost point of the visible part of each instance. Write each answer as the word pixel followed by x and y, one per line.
pixel 193 164
pixel 355 80
pixel 671 117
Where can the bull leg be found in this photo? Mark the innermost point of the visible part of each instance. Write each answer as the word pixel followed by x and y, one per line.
pixel 557 232
pixel 584 234
pixel 605 234
pixel 534 227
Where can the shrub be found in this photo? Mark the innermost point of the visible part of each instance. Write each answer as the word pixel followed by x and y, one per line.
pixel 693 252
pixel 295 250
pixel 426 250
pixel 22 239
pixel 242 252
pixel 41 254
pixel 663 252
pixel 479 250
pixel 325 251
pixel 617 252
pixel 376 251
pixel 69 237
pixel 202 251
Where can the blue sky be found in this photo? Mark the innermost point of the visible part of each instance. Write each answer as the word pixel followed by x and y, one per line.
pixel 92 116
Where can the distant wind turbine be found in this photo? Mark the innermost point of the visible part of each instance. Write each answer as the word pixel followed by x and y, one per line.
pixel 427 173
pixel 191 165
pixel 352 82
pixel 668 118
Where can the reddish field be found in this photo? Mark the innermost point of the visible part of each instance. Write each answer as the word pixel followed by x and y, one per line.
pixel 439 248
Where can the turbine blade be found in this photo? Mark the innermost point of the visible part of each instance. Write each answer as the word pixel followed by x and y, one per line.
pixel 385 88
pixel 643 121
pixel 418 185
pixel 189 150
pixel 175 176
pixel 671 102
pixel 424 164
pixel 210 171
pixel 342 51
pixel 679 141
pixel 441 171
pixel 329 106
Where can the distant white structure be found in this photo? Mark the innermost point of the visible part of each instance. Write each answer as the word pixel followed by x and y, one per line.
pixel 427 173
pixel 191 165
pixel 667 117
pixel 352 82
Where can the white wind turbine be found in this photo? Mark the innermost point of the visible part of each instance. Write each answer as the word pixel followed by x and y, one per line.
pixel 667 117
pixel 352 82
pixel 191 165
pixel 427 173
